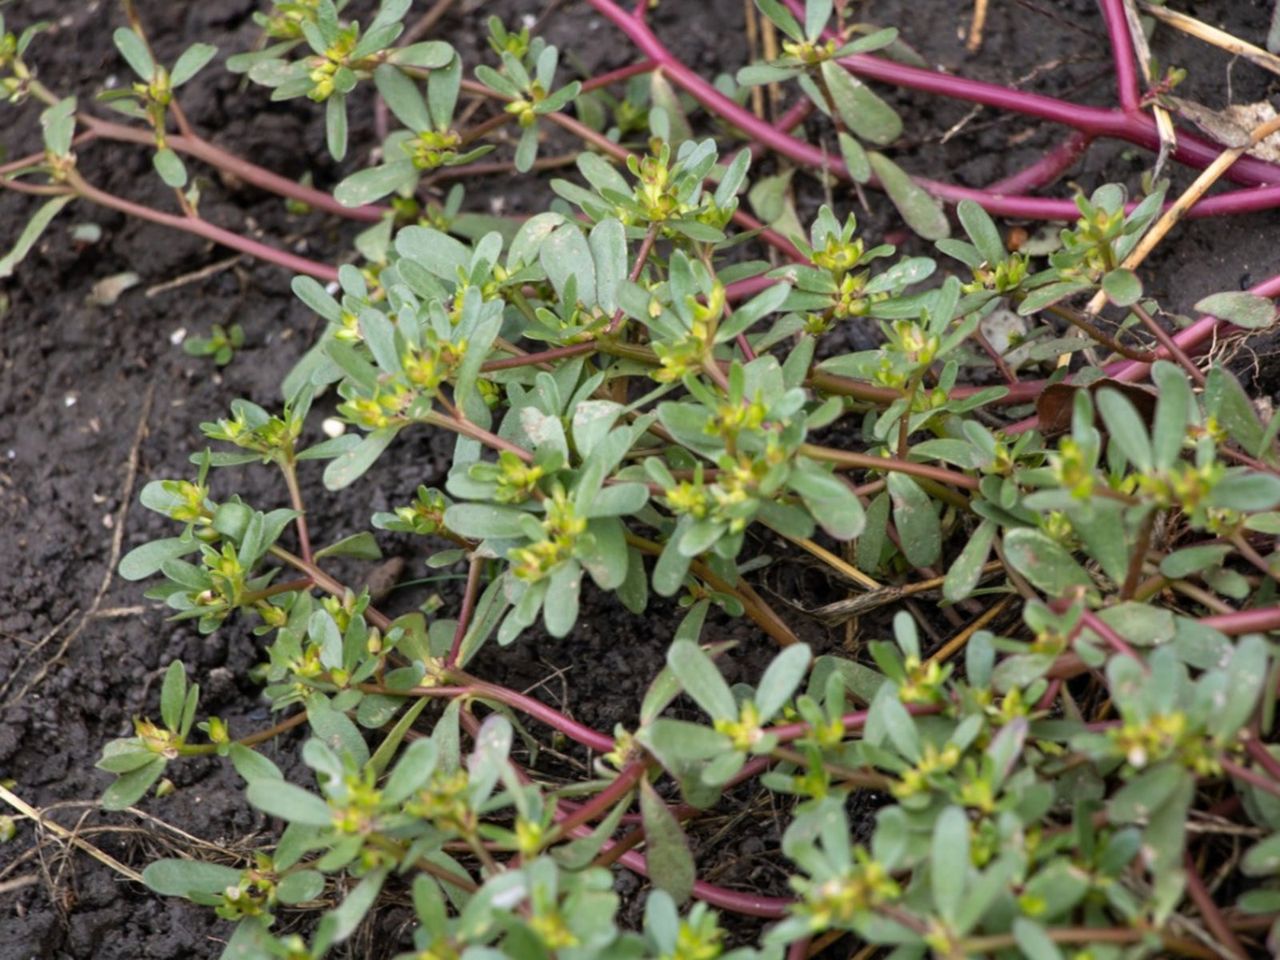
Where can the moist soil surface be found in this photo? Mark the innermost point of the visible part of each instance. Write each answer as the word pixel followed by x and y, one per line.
pixel 98 398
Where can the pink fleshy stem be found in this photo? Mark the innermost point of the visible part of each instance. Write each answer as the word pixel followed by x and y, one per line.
pixel 1117 643
pixel 553 718
pixel 203 228
pixel 794 116
pixel 1258 620
pixel 1088 119
pixel 1136 127
pixel 856 720
pixel 617 76
pixel 1045 170
pixel 1122 54
pixel 771 908
pixel 1192 338
pixel 744 903
pixel 244 170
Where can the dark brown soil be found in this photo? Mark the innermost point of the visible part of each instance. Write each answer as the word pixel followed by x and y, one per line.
pixel 95 401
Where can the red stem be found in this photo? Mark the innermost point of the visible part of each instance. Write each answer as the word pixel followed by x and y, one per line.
pixel 1122 55
pixel 1137 128
pixel 1250 776
pixel 592 739
pixel 202 228
pixel 616 76
pixel 468 608
pixel 1258 750
pixel 787 732
pixel 601 803
pixel 1047 169
pixel 1101 628
pixel 248 172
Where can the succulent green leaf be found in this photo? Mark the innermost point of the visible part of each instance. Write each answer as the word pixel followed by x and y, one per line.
pixel 1044 562
pixel 916 519
pixel 1246 310
pixel 31 233
pixel 426 55
pixel 865 114
pixel 828 498
pixel 781 17
pixel 966 569
pixel 350 466
pixel 184 878
pixel 130 787
pixel 335 126
pixel 922 212
pixel 666 847
pixel 1125 425
pixel 194 59
pixel 134 50
pixel 700 679
pixel 781 680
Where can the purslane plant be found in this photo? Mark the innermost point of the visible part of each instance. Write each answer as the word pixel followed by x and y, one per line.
pixel 622 412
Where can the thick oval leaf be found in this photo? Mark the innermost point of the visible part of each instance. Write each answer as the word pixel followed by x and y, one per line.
pixel 170 167
pixel 134 51
pixel 366 186
pixel 300 886
pixel 350 466
pixel 30 234
pixel 1122 287
pixel 829 499
pixel 700 679
pixel 916 520
pixel 560 608
pixel 427 55
pixel 289 802
pixel 192 61
pixel 1044 562
pixel 855 158
pixel 130 787
pixel 965 571
pixel 922 212
pixel 1034 941
pixel 671 866
pixel 141 562
pixel 438 252
pixel 864 113
pixel 1126 427
pixel 181 878
pixel 482 520
pixel 949 863
pixel 1243 309
pixel 781 679
pixel 982 231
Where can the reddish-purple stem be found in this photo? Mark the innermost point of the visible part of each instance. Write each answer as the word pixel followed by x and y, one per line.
pixel 592 739
pixel 1258 750
pixel 203 228
pixel 1114 640
pixel 1047 169
pixel 1250 776
pixel 1127 89
pixel 1094 121
pixel 468 608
